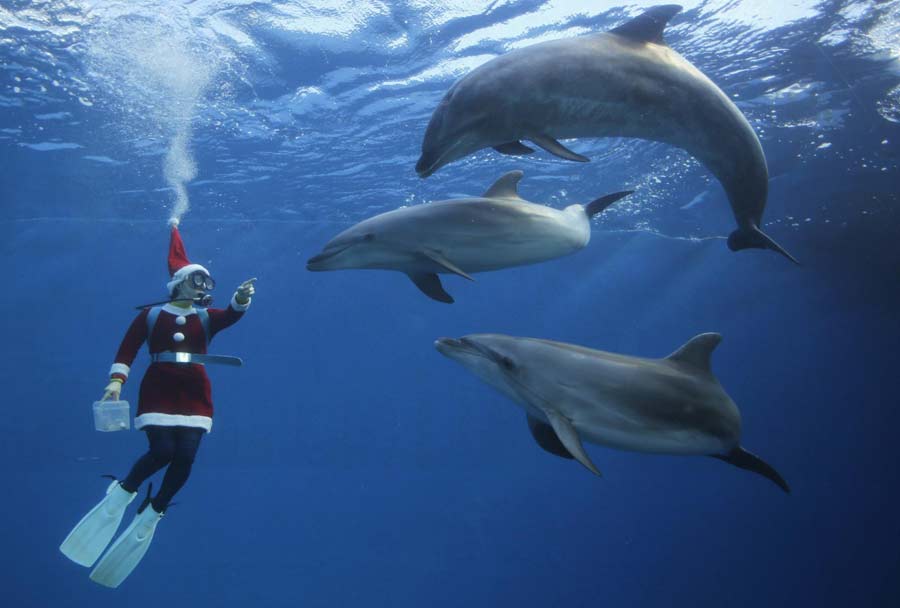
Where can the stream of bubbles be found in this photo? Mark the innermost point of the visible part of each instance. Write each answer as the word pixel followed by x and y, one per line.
pixel 155 69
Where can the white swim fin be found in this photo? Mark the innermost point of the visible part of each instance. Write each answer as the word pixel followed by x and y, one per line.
pixel 127 552
pixel 90 536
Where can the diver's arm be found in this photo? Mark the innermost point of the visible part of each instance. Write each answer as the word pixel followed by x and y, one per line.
pixel 128 349
pixel 219 318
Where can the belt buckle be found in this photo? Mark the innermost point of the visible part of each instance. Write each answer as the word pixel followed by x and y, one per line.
pixel 182 357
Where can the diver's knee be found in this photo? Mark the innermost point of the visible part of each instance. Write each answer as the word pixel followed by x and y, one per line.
pixel 184 457
pixel 163 454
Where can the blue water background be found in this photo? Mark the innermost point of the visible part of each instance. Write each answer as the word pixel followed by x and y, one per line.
pixel 350 464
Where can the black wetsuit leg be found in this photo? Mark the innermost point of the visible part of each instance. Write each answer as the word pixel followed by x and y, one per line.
pixel 187 442
pixel 161 452
pixel 175 446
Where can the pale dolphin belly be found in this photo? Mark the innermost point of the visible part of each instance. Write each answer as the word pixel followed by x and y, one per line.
pixel 530 245
pixel 608 431
pixel 480 235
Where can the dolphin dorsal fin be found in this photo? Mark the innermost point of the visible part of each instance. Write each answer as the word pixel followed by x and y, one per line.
pixel 649 26
pixel 506 186
pixel 697 351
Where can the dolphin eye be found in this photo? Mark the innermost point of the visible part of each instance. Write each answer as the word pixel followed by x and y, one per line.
pixel 507 364
pixel 369 237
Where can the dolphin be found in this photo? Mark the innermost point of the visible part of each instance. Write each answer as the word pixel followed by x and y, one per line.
pixel 623 83
pixel 463 236
pixel 571 394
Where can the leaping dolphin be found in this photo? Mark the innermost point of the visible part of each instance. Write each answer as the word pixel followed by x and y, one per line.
pixel 571 394
pixel 623 83
pixel 463 236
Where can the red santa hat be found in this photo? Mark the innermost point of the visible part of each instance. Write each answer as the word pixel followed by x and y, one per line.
pixel 179 265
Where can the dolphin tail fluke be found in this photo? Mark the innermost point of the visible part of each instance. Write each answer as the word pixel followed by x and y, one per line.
pixel 595 207
pixel 430 284
pixel 748 461
pixel 754 238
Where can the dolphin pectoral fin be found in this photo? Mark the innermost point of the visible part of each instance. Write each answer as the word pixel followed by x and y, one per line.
pixel 754 238
pixel 568 436
pixel 697 351
pixel 514 148
pixel 743 459
pixel 446 264
pixel 507 186
pixel 648 26
pixel 546 437
pixel 597 206
pixel 557 149
pixel 431 286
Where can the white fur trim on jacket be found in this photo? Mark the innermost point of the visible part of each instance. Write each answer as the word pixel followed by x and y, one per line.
pixel 119 368
pixel 156 419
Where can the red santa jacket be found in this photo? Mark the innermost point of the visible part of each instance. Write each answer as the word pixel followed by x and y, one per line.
pixel 174 394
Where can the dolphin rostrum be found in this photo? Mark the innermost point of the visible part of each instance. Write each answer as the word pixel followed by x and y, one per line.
pixel 623 83
pixel 571 394
pixel 463 236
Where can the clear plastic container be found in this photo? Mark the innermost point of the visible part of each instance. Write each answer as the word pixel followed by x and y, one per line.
pixel 111 416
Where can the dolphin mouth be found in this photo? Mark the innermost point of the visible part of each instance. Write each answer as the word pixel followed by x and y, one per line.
pixel 463 346
pixel 317 261
pixel 445 346
pixel 425 170
pixel 450 347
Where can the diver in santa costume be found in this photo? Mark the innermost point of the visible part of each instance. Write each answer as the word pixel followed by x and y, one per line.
pixel 175 410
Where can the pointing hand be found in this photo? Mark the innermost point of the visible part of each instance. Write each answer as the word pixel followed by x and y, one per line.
pixel 245 291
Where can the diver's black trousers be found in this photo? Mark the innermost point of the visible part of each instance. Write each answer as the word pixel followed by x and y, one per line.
pixel 175 446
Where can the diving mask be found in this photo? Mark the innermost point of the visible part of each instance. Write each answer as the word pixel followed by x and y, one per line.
pixel 199 280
